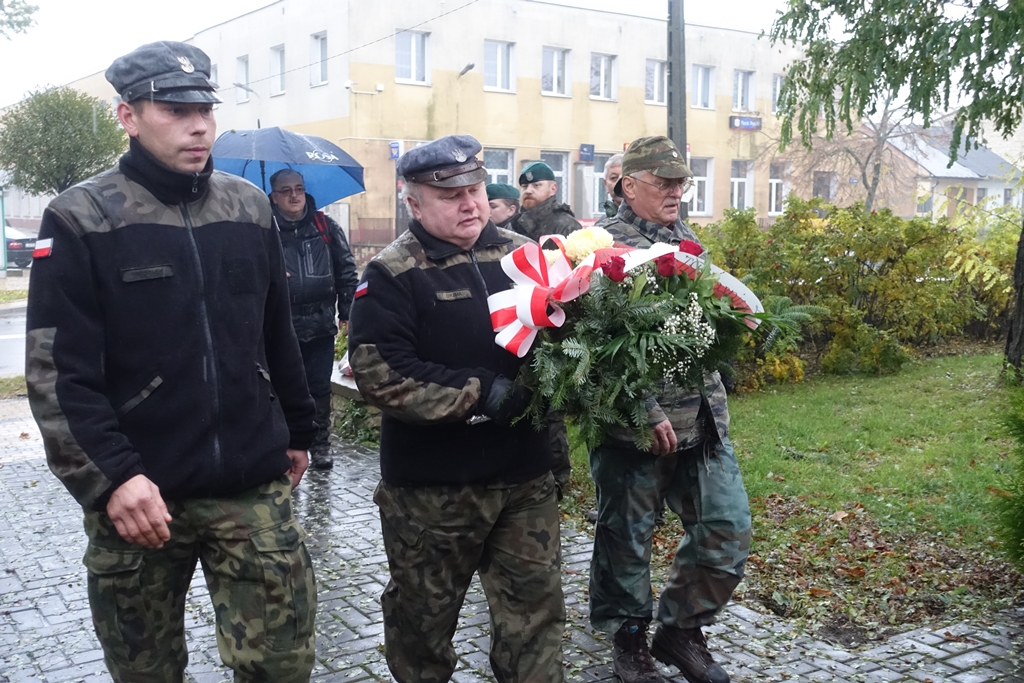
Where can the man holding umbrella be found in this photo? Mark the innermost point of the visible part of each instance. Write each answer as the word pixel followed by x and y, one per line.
pixel 321 281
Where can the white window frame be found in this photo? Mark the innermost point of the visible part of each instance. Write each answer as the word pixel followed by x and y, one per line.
pixel 1007 196
pixel 703 187
pixel 505 174
pixel 603 77
pixel 777 81
pixel 776 189
pixel 559 72
pixel 742 90
pixel 277 70
pixel 499 63
pixel 702 93
pixel 740 186
pixel 242 78
pixel 656 82
pixel 419 57
pixel 561 171
pixel 318 59
pixel 980 195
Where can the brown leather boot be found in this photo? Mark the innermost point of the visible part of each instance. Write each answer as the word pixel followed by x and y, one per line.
pixel 687 650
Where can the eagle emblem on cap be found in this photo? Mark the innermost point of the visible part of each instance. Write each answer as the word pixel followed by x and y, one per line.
pixel 459 155
pixel 186 65
pixel 529 176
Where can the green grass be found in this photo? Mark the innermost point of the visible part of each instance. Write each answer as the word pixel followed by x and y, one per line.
pixel 873 498
pixel 12 387
pixel 9 295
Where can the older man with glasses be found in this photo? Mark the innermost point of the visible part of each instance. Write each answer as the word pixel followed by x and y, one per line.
pixel 691 466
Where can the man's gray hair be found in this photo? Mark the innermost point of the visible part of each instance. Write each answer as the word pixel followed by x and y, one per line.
pixel 410 189
pixel 284 173
pixel 614 161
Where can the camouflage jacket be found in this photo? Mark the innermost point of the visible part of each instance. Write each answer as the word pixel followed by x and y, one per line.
pixel 683 410
pixel 159 340
pixel 422 349
pixel 547 218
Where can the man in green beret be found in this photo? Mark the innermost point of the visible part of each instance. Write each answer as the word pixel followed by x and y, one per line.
pixel 542 214
pixel 504 202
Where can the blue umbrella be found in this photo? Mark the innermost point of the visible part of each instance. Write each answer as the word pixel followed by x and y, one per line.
pixel 330 173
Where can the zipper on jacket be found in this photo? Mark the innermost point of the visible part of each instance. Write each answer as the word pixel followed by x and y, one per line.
pixel 476 264
pixel 210 359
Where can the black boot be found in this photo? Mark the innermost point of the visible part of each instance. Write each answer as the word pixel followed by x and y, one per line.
pixel 687 650
pixel 631 660
pixel 320 451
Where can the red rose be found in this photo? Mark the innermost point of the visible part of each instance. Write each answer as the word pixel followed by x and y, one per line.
pixel 615 268
pixel 666 265
pixel 691 247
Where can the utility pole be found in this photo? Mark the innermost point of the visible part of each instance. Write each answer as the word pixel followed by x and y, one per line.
pixel 677 83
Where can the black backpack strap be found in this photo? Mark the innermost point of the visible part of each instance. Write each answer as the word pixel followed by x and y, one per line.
pixel 321 225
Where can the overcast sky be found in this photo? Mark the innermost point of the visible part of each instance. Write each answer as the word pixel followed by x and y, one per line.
pixel 75 38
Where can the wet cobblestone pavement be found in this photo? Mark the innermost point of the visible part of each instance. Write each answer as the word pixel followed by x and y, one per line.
pixel 46 633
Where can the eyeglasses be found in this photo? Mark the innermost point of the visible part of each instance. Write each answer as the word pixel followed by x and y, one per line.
pixel 300 190
pixel 668 186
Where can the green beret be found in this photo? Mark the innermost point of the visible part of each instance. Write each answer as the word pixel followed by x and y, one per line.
pixel 538 170
pixel 501 191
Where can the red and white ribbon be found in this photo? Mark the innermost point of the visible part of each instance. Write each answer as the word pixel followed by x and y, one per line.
pixel 517 314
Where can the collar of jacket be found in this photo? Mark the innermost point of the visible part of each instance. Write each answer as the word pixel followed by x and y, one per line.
pixel 286 224
pixel 437 249
pixel 549 205
pixel 166 184
pixel 652 232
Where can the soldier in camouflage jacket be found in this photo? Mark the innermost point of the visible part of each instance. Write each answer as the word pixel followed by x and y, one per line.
pixel 166 380
pixel 692 467
pixel 463 490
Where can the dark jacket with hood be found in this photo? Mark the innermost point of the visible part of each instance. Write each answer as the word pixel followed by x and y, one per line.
pixel 321 272
pixel 159 337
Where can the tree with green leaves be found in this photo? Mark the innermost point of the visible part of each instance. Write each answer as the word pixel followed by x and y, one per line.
pixel 15 17
pixel 938 56
pixel 58 137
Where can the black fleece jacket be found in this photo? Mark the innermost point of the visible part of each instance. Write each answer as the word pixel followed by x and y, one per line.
pixel 159 335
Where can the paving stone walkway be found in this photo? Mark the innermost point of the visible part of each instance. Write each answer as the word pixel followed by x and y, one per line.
pixel 46 632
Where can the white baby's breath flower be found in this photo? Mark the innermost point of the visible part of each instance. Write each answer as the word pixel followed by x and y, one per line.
pixel 582 243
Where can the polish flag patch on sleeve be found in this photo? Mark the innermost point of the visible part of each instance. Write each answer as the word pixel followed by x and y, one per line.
pixel 43 248
pixel 361 290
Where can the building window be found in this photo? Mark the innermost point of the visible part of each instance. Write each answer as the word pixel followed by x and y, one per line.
pixel 602 76
pixel 559 163
pixel 925 205
pixel 743 91
pixel 277 70
pixel 656 82
pixel 411 56
pixel 776 90
pixel 318 58
pixel 498 66
pixel 982 193
pixel 242 79
pixel 776 191
pixel 498 163
pixel 700 205
pixel 554 66
pixel 824 185
pixel 701 94
pixel 739 184
pixel 1007 197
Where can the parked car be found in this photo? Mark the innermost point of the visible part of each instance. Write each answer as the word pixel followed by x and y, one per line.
pixel 19 247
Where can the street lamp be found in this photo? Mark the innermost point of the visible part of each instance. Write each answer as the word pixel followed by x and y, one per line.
pixel 260 99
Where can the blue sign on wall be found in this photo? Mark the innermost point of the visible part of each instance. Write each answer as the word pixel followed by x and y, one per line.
pixel 745 122
pixel 586 152
pixel 396 149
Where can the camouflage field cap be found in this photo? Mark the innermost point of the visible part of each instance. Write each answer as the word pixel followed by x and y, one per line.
pixel 656 154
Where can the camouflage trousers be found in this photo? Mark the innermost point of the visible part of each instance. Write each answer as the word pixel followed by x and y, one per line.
pixel 561 466
pixel 258 572
pixel 704 487
pixel 436 537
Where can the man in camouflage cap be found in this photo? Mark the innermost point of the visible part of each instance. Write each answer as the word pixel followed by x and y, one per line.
pixel 166 380
pixel 691 466
pixel 542 214
pixel 463 490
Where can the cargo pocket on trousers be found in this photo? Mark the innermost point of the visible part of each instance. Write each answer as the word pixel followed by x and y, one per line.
pixel 289 592
pixel 120 609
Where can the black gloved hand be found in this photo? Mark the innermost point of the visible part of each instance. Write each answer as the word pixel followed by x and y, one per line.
pixel 506 401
